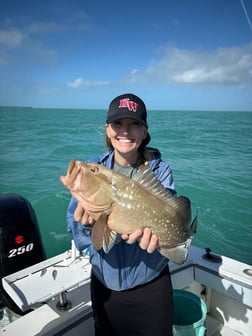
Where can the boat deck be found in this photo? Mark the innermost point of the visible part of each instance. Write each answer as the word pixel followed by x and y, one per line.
pixel 225 288
pixel 84 325
pixel 214 328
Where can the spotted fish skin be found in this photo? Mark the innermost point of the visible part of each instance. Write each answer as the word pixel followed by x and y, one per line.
pixel 121 205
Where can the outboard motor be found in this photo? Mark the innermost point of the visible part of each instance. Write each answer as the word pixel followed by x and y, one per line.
pixel 20 241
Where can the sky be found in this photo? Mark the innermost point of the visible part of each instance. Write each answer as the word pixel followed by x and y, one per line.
pixel 174 54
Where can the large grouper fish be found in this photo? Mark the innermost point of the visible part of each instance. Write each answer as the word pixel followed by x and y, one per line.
pixel 121 205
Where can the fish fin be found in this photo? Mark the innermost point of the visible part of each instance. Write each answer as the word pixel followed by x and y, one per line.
pixel 98 231
pixel 183 205
pixel 146 178
pixel 193 227
pixel 178 254
pixel 102 236
pixel 110 239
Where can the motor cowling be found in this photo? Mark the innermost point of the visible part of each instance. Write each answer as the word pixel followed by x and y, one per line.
pixel 20 240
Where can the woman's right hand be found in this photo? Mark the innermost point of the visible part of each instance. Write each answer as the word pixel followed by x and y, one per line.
pixel 81 215
pixel 147 240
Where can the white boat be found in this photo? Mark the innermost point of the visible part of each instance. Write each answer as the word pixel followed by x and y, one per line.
pixel 57 292
pixel 53 296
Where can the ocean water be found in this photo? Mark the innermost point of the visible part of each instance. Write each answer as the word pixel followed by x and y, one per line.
pixel 210 154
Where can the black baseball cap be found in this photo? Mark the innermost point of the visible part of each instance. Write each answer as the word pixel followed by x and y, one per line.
pixel 127 105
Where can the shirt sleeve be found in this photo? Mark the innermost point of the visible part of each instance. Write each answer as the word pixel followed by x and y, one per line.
pixel 81 234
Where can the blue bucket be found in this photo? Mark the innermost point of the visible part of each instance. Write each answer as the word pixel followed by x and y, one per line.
pixel 189 314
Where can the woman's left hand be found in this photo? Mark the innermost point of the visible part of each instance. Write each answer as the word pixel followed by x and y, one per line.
pixel 147 240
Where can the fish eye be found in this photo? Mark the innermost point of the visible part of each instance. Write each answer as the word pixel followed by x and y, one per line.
pixel 94 170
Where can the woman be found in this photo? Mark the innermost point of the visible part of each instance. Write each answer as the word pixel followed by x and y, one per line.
pixel 131 290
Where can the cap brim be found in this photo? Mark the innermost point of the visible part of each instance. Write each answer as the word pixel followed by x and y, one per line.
pixel 125 116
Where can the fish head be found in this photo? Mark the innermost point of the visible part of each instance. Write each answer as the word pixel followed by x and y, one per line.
pixel 88 181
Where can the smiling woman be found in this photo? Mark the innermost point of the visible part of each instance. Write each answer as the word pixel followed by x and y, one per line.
pixel 127 132
pixel 133 273
pixel 125 136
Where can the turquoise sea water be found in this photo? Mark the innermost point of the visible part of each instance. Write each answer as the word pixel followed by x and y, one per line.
pixel 210 154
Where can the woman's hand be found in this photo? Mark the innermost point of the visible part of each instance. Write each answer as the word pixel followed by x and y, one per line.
pixel 147 241
pixel 81 215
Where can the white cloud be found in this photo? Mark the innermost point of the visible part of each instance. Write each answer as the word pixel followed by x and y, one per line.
pixel 134 71
pixel 17 39
pixel 30 37
pixel 44 27
pixel 77 83
pixel 85 83
pixel 11 38
pixel 225 66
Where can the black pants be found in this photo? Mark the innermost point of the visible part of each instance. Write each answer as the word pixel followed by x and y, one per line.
pixel 145 310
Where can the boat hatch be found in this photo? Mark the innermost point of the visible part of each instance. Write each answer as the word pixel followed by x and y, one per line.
pixel 35 285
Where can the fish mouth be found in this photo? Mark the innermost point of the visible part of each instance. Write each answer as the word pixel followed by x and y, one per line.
pixel 72 173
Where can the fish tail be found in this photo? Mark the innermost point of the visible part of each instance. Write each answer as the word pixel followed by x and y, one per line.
pixel 177 255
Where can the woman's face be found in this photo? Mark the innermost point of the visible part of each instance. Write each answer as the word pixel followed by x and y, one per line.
pixel 126 135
